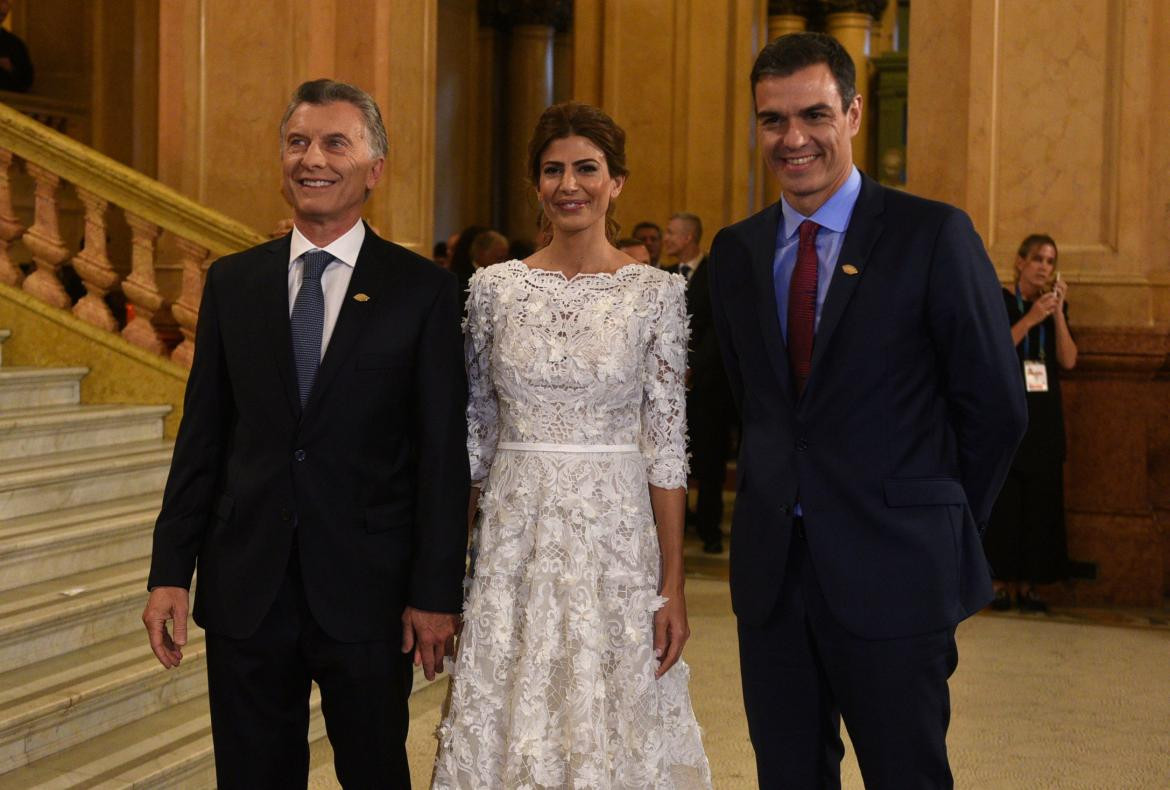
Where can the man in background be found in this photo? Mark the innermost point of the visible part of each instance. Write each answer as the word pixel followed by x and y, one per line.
pixel 651 235
pixel 710 413
pixel 487 248
pixel 635 249
pixel 16 69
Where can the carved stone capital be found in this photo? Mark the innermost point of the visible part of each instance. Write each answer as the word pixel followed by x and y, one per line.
pixel 504 14
pixel 804 8
pixel 875 8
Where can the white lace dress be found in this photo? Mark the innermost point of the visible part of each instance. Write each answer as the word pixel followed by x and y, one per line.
pixel 576 403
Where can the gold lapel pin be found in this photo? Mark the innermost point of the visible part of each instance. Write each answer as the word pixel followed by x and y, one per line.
pixel 849 269
pixel 361 298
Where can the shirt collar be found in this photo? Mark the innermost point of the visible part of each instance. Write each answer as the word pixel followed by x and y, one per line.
pixel 344 248
pixel 694 262
pixel 833 214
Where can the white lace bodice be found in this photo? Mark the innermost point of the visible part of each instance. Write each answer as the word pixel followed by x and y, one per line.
pixel 596 359
pixel 577 402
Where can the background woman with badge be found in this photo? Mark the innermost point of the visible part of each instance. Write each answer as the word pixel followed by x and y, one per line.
pixel 1025 540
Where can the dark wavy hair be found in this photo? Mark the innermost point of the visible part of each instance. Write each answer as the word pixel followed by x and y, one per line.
pixel 789 54
pixel 573 118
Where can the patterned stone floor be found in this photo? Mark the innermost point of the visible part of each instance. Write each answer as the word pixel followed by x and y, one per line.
pixel 1075 699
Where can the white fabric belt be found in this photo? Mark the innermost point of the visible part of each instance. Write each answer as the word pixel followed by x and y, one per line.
pixel 549 447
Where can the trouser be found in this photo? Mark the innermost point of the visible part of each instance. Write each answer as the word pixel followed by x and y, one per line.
pixel 710 434
pixel 259 693
pixel 803 672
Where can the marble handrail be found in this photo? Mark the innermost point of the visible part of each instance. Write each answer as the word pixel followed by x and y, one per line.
pixel 150 208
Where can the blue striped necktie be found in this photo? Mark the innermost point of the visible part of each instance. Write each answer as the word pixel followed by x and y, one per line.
pixel 308 320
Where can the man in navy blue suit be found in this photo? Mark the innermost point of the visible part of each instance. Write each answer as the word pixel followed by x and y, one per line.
pixel 866 345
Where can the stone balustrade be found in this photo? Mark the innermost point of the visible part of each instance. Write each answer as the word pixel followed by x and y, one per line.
pixel 155 214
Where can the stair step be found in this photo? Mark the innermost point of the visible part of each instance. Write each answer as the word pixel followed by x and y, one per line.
pixel 46 546
pixel 22 387
pixel 42 483
pixel 169 749
pixel 47 619
pixel 31 432
pixel 56 704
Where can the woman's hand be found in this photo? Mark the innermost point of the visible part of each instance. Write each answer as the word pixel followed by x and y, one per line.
pixel 1043 307
pixel 1060 288
pixel 671 631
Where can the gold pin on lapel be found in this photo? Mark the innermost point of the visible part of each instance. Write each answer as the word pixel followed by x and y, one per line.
pixel 361 298
pixel 849 269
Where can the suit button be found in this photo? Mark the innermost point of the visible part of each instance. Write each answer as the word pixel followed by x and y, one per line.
pixel 801 445
pixel 299 455
pixel 286 515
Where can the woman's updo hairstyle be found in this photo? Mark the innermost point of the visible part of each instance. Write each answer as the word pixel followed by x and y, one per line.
pixel 573 118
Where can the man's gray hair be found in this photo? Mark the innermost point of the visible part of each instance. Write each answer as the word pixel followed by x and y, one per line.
pixel 692 220
pixel 328 91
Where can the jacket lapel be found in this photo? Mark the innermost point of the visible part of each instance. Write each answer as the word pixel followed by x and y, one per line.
pixel 275 306
pixel 762 243
pixel 370 279
pixel 865 226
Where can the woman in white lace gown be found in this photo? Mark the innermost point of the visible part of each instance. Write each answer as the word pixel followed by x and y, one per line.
pixel 567 673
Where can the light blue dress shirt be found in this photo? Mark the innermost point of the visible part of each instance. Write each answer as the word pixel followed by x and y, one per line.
pixel 833 217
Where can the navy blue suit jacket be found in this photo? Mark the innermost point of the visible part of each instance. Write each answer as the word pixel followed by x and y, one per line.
pixel 903 436
pixel 369 479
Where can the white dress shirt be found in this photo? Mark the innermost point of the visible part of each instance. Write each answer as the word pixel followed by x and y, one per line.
pixel 693 264
pixel 335 278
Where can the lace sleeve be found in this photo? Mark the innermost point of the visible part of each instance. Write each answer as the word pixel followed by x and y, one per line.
pixel 664 410
pixel 482 407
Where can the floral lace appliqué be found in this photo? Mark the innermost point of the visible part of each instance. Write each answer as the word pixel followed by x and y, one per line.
pixel 553 685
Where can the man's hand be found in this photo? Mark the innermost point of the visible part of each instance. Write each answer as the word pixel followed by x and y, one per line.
pixel 431 635
pixel 167 603
pixel 671 631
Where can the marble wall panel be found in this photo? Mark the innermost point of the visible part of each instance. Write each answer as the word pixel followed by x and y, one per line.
pixel 457 125
pixel 1056 123
pixel 675 77
pixel 1035 116
pixel 939 88
pixel 227 70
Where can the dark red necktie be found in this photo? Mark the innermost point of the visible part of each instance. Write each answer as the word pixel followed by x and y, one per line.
pixel 802 305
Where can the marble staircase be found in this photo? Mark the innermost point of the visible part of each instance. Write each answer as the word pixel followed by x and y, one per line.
pixel 83 702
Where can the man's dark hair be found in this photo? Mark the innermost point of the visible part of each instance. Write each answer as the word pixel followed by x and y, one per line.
pixel 791 53
pixel 328 91
pixel 646 224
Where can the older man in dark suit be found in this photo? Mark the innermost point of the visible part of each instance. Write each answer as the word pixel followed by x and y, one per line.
pixel 320 471
pixel 865 341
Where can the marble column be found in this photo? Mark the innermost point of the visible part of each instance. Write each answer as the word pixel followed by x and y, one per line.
pixel 530 91
pixel 781 24
pixel 563 66
pixel 484 172
pixel 852 29
pixel 783 18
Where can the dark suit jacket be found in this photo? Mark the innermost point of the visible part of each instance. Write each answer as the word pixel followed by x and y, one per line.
pixel 708 382
pixel 904 433
pixel 369 481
